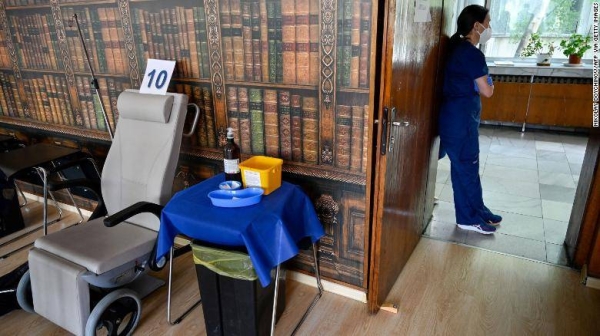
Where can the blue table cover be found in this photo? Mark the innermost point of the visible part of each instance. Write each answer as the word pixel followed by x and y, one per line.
pixel 269 230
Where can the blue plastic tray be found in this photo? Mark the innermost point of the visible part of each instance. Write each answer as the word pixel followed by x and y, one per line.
pixel 235 198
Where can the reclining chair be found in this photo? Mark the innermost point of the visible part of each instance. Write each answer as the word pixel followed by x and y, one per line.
pixel 78 276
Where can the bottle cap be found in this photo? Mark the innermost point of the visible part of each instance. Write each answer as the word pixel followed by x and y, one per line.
pixel 229 133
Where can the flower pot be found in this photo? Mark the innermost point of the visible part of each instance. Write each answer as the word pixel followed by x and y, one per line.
pixel 544 59
pixel 574 59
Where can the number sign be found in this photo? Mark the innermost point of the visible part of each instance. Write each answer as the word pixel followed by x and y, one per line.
pixel 157 77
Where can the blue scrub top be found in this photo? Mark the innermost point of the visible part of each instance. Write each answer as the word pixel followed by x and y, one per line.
pixel 461 109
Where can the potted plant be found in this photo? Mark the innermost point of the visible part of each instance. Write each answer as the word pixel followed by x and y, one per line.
pixel 575 47
pixel 542 50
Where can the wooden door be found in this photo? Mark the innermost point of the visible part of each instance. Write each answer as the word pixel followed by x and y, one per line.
pixel 409 81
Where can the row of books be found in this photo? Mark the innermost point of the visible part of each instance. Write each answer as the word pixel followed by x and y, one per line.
pixel 353 36
pixel 281 123
pixel 10 99
pixel 90 110
pixel 174 33
pixel 103 36
pixel 35 41
pixel 12 3
pixel 206 135
pixel 15 3
pixel 5 60
pixel 48 99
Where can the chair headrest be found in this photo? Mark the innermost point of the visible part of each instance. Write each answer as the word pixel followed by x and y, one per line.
pixel 146 107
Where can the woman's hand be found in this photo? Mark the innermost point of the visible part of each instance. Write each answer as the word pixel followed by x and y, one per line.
pixel 485 86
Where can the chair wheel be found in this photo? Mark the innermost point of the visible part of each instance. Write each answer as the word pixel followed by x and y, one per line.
pixel 24 297
pixel 118 312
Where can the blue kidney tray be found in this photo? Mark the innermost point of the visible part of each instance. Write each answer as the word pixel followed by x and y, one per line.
pixel 235 198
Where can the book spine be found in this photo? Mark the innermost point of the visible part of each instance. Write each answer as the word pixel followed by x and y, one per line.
pixel 203 35
pixel 51 96
pixel 288 37
pixel 90 41
pixel 107 42
pixel 346 44
pixel 233 113
pixel 271 124
pixel 296 127
pixel 314 40
pixel 202 131
pixel 103 84
pixel 112 98
pixel 244 116
pixel 257 123
pixel 302 42
pixel 278 42
pixel 91 106
pixel 256 42
pixel 39 104
pixel 209 117
pixel 264 40
pixel 68 111
pixel 272 41
pixel 247 40
pixel 195 53
pixel 238 39
pixel 343 125
pixel 45 100
pixel 365 142
pixel 3 98
pixel 100 44
pixel 365 37
pixel 356 139
pixel 310 130
pixel 17 98
pixel 29 97
pixel 355 44
pixel 85 119
pixel 227 40
pixel 285 132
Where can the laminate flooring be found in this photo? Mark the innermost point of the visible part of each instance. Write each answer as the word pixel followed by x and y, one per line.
pixel 445 289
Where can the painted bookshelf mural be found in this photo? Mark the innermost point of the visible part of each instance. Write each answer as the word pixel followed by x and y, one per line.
pixel 291 77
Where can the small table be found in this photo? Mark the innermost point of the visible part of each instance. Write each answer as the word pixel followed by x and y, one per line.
pixel 270 230
pixel 36 157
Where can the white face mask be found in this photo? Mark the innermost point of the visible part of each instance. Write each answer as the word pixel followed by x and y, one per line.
pixel 485 35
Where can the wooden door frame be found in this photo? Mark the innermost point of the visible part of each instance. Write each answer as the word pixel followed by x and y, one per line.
pixel 389 7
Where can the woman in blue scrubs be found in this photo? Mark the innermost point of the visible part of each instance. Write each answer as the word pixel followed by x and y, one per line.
pixel 466 79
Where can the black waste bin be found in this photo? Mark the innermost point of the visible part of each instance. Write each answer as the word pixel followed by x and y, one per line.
pixel 234 306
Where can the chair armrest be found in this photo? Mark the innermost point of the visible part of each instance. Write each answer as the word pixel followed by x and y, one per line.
pixel 135 209
pixel 77 162
pixel 92 185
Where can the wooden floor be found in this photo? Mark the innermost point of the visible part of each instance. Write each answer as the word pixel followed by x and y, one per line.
pixel 445 289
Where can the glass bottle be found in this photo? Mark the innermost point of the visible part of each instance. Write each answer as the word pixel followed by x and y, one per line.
pixel 231 158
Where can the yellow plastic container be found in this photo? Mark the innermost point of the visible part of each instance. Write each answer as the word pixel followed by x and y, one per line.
pixel 263 172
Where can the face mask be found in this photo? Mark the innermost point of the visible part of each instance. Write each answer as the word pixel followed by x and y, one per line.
pixel 485 35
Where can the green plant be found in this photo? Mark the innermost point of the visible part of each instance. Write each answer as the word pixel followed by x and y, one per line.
pixel 535 46
pixel 577 44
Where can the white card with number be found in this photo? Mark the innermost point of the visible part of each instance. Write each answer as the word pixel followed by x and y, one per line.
pixel 157 77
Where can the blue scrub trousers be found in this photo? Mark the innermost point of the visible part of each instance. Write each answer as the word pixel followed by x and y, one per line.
pixel 459 137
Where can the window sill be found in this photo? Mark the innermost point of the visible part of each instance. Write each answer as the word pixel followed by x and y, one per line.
pixel 524 68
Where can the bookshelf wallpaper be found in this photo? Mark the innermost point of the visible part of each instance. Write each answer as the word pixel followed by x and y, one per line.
pixel 291 77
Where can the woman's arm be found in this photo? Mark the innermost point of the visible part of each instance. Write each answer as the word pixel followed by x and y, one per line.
pixel 485 85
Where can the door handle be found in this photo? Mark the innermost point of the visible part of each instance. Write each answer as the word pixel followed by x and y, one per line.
pixel 384 122
pixel 400 123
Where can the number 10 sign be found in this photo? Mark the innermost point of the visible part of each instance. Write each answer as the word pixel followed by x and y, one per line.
pixel 157 77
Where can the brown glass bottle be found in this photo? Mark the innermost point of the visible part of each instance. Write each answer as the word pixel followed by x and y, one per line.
pixel 231 159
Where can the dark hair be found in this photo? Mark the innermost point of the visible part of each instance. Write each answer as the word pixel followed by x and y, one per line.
pixel 465 22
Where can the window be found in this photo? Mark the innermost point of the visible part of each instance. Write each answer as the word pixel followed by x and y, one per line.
pixel 513 21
